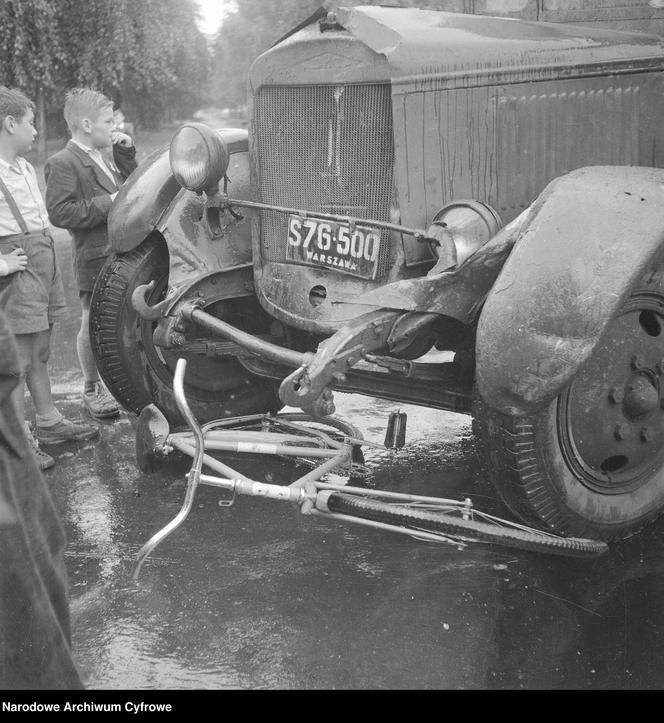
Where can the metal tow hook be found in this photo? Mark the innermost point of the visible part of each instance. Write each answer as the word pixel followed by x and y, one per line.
pixel 143 309
pixel 297 389
pixel 310 385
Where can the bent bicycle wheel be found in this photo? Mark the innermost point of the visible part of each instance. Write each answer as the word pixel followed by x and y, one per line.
pixel 466 529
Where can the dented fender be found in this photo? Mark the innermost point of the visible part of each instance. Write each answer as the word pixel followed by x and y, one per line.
pixel 458 293
pixel 590 236
pixel 152 200
pixel 201 238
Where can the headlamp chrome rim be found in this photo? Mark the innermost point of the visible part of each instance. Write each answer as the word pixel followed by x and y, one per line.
pixel 460 232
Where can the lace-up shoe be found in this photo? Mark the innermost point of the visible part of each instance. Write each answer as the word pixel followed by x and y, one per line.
pixel 66 431
pixel 100 404
pixel 45 461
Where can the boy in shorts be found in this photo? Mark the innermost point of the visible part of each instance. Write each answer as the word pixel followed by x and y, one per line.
pixel 31 291
pixel 80 187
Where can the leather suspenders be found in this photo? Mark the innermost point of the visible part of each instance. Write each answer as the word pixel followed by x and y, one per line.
pixel 13 207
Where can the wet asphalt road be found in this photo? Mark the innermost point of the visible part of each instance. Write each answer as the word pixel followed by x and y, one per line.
pixel 257 596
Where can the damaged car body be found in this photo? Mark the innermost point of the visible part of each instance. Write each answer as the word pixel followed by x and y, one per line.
pixel 415 182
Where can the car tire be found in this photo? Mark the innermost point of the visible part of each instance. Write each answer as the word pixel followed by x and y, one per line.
pixel 591 463
pixel 138 373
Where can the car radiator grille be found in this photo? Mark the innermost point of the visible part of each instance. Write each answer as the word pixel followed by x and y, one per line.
pixel 323 148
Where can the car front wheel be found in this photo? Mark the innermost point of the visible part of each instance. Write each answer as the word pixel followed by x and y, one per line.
pixel 591 463
pixel 137 372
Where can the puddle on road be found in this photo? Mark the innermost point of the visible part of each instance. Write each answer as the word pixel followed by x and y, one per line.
pixel 258 596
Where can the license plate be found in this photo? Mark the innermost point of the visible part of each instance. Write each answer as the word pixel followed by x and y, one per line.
pixel 333 245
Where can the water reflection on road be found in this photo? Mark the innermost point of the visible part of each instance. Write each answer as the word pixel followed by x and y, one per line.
pixel 259 596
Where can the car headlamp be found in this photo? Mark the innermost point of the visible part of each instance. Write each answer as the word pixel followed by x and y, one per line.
pixel 460 229
pixel 199 157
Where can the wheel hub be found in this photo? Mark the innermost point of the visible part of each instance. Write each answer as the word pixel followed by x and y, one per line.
pixel 611 418
pixel 641 396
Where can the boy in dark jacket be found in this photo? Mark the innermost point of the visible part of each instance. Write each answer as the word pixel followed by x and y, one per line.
pixel 31 291
pixel 81 184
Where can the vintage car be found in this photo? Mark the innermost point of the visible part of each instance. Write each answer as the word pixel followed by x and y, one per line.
pixel 415 181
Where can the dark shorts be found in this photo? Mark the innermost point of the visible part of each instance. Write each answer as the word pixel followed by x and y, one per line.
pixel 86 270
pixel 32 299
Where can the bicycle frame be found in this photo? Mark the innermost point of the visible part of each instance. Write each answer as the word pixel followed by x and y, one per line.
pixel 308 491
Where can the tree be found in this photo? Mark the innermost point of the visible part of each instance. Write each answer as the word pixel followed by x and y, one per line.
pixel 245 34
pixel 31 52
pixel 147 55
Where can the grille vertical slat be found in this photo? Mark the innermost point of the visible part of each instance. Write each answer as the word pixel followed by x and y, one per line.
pixel 323 148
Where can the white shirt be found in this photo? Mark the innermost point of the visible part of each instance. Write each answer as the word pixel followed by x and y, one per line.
pixel 21 180
pixel 98 159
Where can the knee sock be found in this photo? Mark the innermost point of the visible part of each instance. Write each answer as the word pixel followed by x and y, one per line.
pixel 85 356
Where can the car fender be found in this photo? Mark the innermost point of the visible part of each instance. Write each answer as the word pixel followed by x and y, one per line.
pixel 590 237
pixel 144 203
pixel 201 238
pixel 458 293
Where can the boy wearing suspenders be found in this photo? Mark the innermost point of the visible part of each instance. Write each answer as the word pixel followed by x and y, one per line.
pixel 31 292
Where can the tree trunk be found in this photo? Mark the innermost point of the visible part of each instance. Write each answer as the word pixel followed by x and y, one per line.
pixel 41 126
